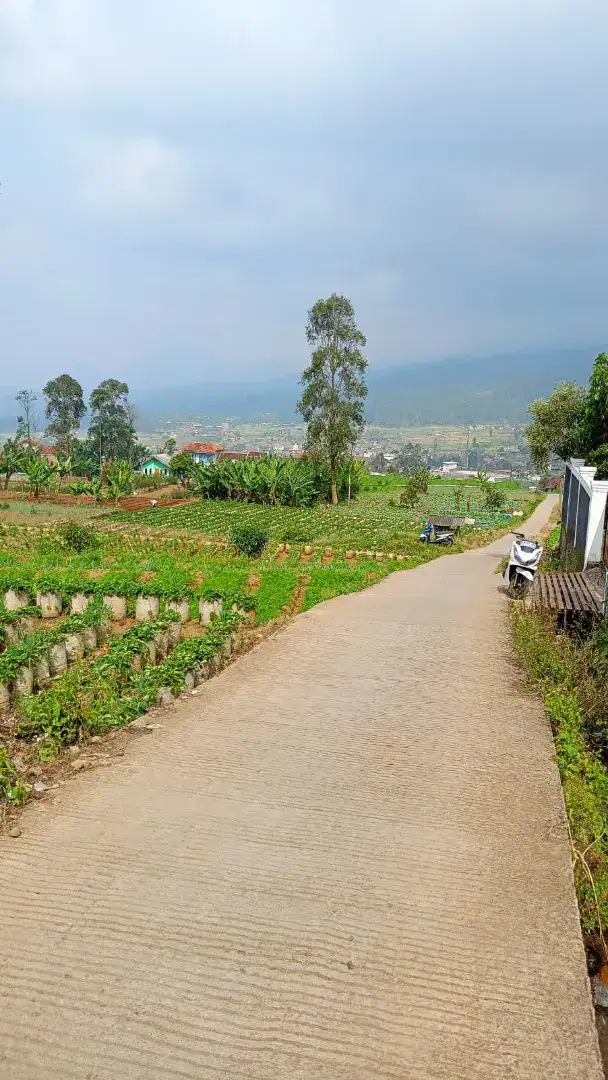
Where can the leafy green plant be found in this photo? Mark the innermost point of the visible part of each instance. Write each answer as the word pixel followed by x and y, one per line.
pixel 120 479
pixel 249 540
pixel 495 498
pixel 276 591
pixel 11 787
pixel 38 471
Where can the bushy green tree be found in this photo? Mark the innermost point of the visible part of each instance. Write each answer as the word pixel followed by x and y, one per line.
pixel 182 467
pixel 556 424
pixel 112 430
pixel 410 458
pixel 334 384
pixel 414 488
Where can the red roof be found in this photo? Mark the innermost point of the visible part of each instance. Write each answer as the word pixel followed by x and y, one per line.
pixel 35 445
pixel 201 448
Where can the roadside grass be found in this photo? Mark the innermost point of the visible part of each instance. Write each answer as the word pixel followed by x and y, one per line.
pixel 572 678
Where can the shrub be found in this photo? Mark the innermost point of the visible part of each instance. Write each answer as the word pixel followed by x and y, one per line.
pixel 249 540
pixel 495 498
pixel 296 535
pixel 76 537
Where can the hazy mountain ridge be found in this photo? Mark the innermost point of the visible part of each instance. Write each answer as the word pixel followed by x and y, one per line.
pixel 443 392
pixel 451 391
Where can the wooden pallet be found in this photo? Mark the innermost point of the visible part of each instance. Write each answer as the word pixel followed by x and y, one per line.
pixel 445 521
pixel 560 591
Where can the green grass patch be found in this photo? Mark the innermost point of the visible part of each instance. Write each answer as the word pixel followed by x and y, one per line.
pixel 329 581
pixel 276 591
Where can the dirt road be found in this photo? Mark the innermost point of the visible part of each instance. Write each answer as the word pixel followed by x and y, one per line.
pixel 344 860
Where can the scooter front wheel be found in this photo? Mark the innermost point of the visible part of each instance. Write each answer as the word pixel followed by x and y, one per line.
pixel 518 587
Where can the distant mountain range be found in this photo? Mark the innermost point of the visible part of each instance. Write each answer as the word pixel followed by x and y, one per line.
pixel 452 391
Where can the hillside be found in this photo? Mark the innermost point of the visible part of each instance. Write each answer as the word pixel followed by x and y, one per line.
pixel 445 392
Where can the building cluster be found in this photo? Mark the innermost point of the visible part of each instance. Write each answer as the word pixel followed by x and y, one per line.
pixel 202 453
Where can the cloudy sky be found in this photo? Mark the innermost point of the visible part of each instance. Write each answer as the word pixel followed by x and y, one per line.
pixel 180 181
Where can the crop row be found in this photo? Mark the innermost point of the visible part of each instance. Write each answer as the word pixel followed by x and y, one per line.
pixel 34 659
pixel 125 682
pixel 117 592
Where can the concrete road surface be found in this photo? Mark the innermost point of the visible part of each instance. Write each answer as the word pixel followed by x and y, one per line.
pixel 344 860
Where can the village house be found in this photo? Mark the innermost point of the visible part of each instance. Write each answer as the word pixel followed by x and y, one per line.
pixel 48 452
pixel 156 464
pixel 202 453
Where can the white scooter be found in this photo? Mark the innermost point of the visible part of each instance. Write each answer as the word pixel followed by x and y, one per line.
pixel 520 571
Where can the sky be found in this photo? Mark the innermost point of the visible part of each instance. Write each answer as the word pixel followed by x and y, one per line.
pixel 181 181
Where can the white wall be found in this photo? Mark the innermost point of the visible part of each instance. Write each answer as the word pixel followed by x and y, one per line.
pixel 593 549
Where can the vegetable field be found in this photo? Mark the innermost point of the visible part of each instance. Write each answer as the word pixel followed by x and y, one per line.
pixel 375 520
pixel 98 624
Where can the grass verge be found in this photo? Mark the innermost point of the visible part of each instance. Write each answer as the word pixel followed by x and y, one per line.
pixel 572 678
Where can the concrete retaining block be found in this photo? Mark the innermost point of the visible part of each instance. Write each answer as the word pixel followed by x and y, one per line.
pixel 117 606
pixel 182 607
pixel 146 608
pixel 50 604
pixel 13 600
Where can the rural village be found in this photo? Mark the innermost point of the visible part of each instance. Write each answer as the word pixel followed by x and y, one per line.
pixel 153 601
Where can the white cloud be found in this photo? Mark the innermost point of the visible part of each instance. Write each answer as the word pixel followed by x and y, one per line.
pixel 141 173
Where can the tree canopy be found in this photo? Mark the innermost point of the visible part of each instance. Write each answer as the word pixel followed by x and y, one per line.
pixel 65 409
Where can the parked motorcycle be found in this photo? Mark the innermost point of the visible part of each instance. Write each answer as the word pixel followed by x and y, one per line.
pixel 520 571
pixel 431 535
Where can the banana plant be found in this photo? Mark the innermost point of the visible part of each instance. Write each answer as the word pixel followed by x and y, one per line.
pixel 11 460
pixel 64 468
pixel 120 479
pixel 38 471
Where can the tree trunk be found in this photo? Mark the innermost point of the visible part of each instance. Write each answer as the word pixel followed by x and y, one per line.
pixel 334 488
